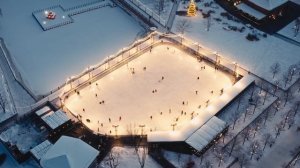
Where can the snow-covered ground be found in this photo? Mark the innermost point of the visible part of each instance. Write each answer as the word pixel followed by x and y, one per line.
pixel 24 136
pixel 10 162
pixel 130 100
pixel 6 97
pixel 47 58
pixel 289 31
pixel 255 56
pixel 127 158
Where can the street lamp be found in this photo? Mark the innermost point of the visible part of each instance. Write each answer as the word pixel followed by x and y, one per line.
pixel 116 129
pixel 142 129
pixel 173 126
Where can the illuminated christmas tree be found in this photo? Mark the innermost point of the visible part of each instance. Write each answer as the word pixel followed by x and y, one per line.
pixel 192 9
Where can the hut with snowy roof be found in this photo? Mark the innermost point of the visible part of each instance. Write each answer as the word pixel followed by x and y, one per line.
pixel 69 152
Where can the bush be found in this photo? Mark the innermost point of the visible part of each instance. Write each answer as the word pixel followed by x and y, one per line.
pixel 218 19
pixel 2 158
pixel 264 35
pixel 252 37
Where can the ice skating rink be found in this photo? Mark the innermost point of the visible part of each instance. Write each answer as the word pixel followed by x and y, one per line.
pixel 158 89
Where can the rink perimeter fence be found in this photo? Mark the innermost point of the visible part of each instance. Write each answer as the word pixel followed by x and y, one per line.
pixel 93 73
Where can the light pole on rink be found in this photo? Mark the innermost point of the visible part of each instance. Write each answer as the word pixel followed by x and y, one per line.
pixel 142 129
pixel 116 129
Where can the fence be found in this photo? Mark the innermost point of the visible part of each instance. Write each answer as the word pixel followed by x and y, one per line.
pixel 93 73
pixel 149 12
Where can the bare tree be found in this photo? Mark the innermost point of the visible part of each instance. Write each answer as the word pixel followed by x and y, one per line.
pixel 278 129
pixel 267 140
pixel 285 78
pixel 236 114
pixel 265 95
pixel 276 106
pixel 287 96
pixel 206 164
pixel 113 159
pixel 183 26
pixel 3 103
pixel 292 71
pixel 243 160
pixel 208 23
pixel 255 149
pixel 1 14
pixel 233 146
pixel 255 103
pixel 275 69
pixel 256 127
pixel 220 155
pixel 296 27
pixel 159 6
pixel 277 84
pixel 296 108
pixel 245 134
pixel 266 115
pixel 141 152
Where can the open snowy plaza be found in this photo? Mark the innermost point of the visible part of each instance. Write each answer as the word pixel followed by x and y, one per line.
pixel 157 89
pixel 77 45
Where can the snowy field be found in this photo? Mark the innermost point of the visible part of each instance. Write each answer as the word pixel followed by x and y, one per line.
pixel 289 31
pixel 256 56
pixel 127 158
pixel 130 100
pixel 47 58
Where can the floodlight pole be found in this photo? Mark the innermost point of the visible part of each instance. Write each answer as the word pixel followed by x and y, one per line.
pixel 173 126
pixel 116 129
pixel 142 129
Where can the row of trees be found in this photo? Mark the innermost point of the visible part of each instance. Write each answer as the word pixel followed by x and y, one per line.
pixel 247 145
pixel 287 76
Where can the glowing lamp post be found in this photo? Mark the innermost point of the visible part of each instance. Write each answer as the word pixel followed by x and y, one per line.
pixel 116 129
pixel 142 129
pixel 173 126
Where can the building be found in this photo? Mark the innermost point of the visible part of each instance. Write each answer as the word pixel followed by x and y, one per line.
pixel 69 152
pixel 266 15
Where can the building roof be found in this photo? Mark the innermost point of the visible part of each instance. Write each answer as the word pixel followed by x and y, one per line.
pixel 268 4
pixel 251 11
pixel 42 111
pixel 39 150
pixel 205 134
pixel 69 152
pixel 55 119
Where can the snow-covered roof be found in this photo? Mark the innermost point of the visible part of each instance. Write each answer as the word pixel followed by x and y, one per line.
pixel 69 152
pixel 55 119
pixel 42 111
pixel 251 11
pixel 39 150
pixel 268 4
pixel 204 115
pixel 205 134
